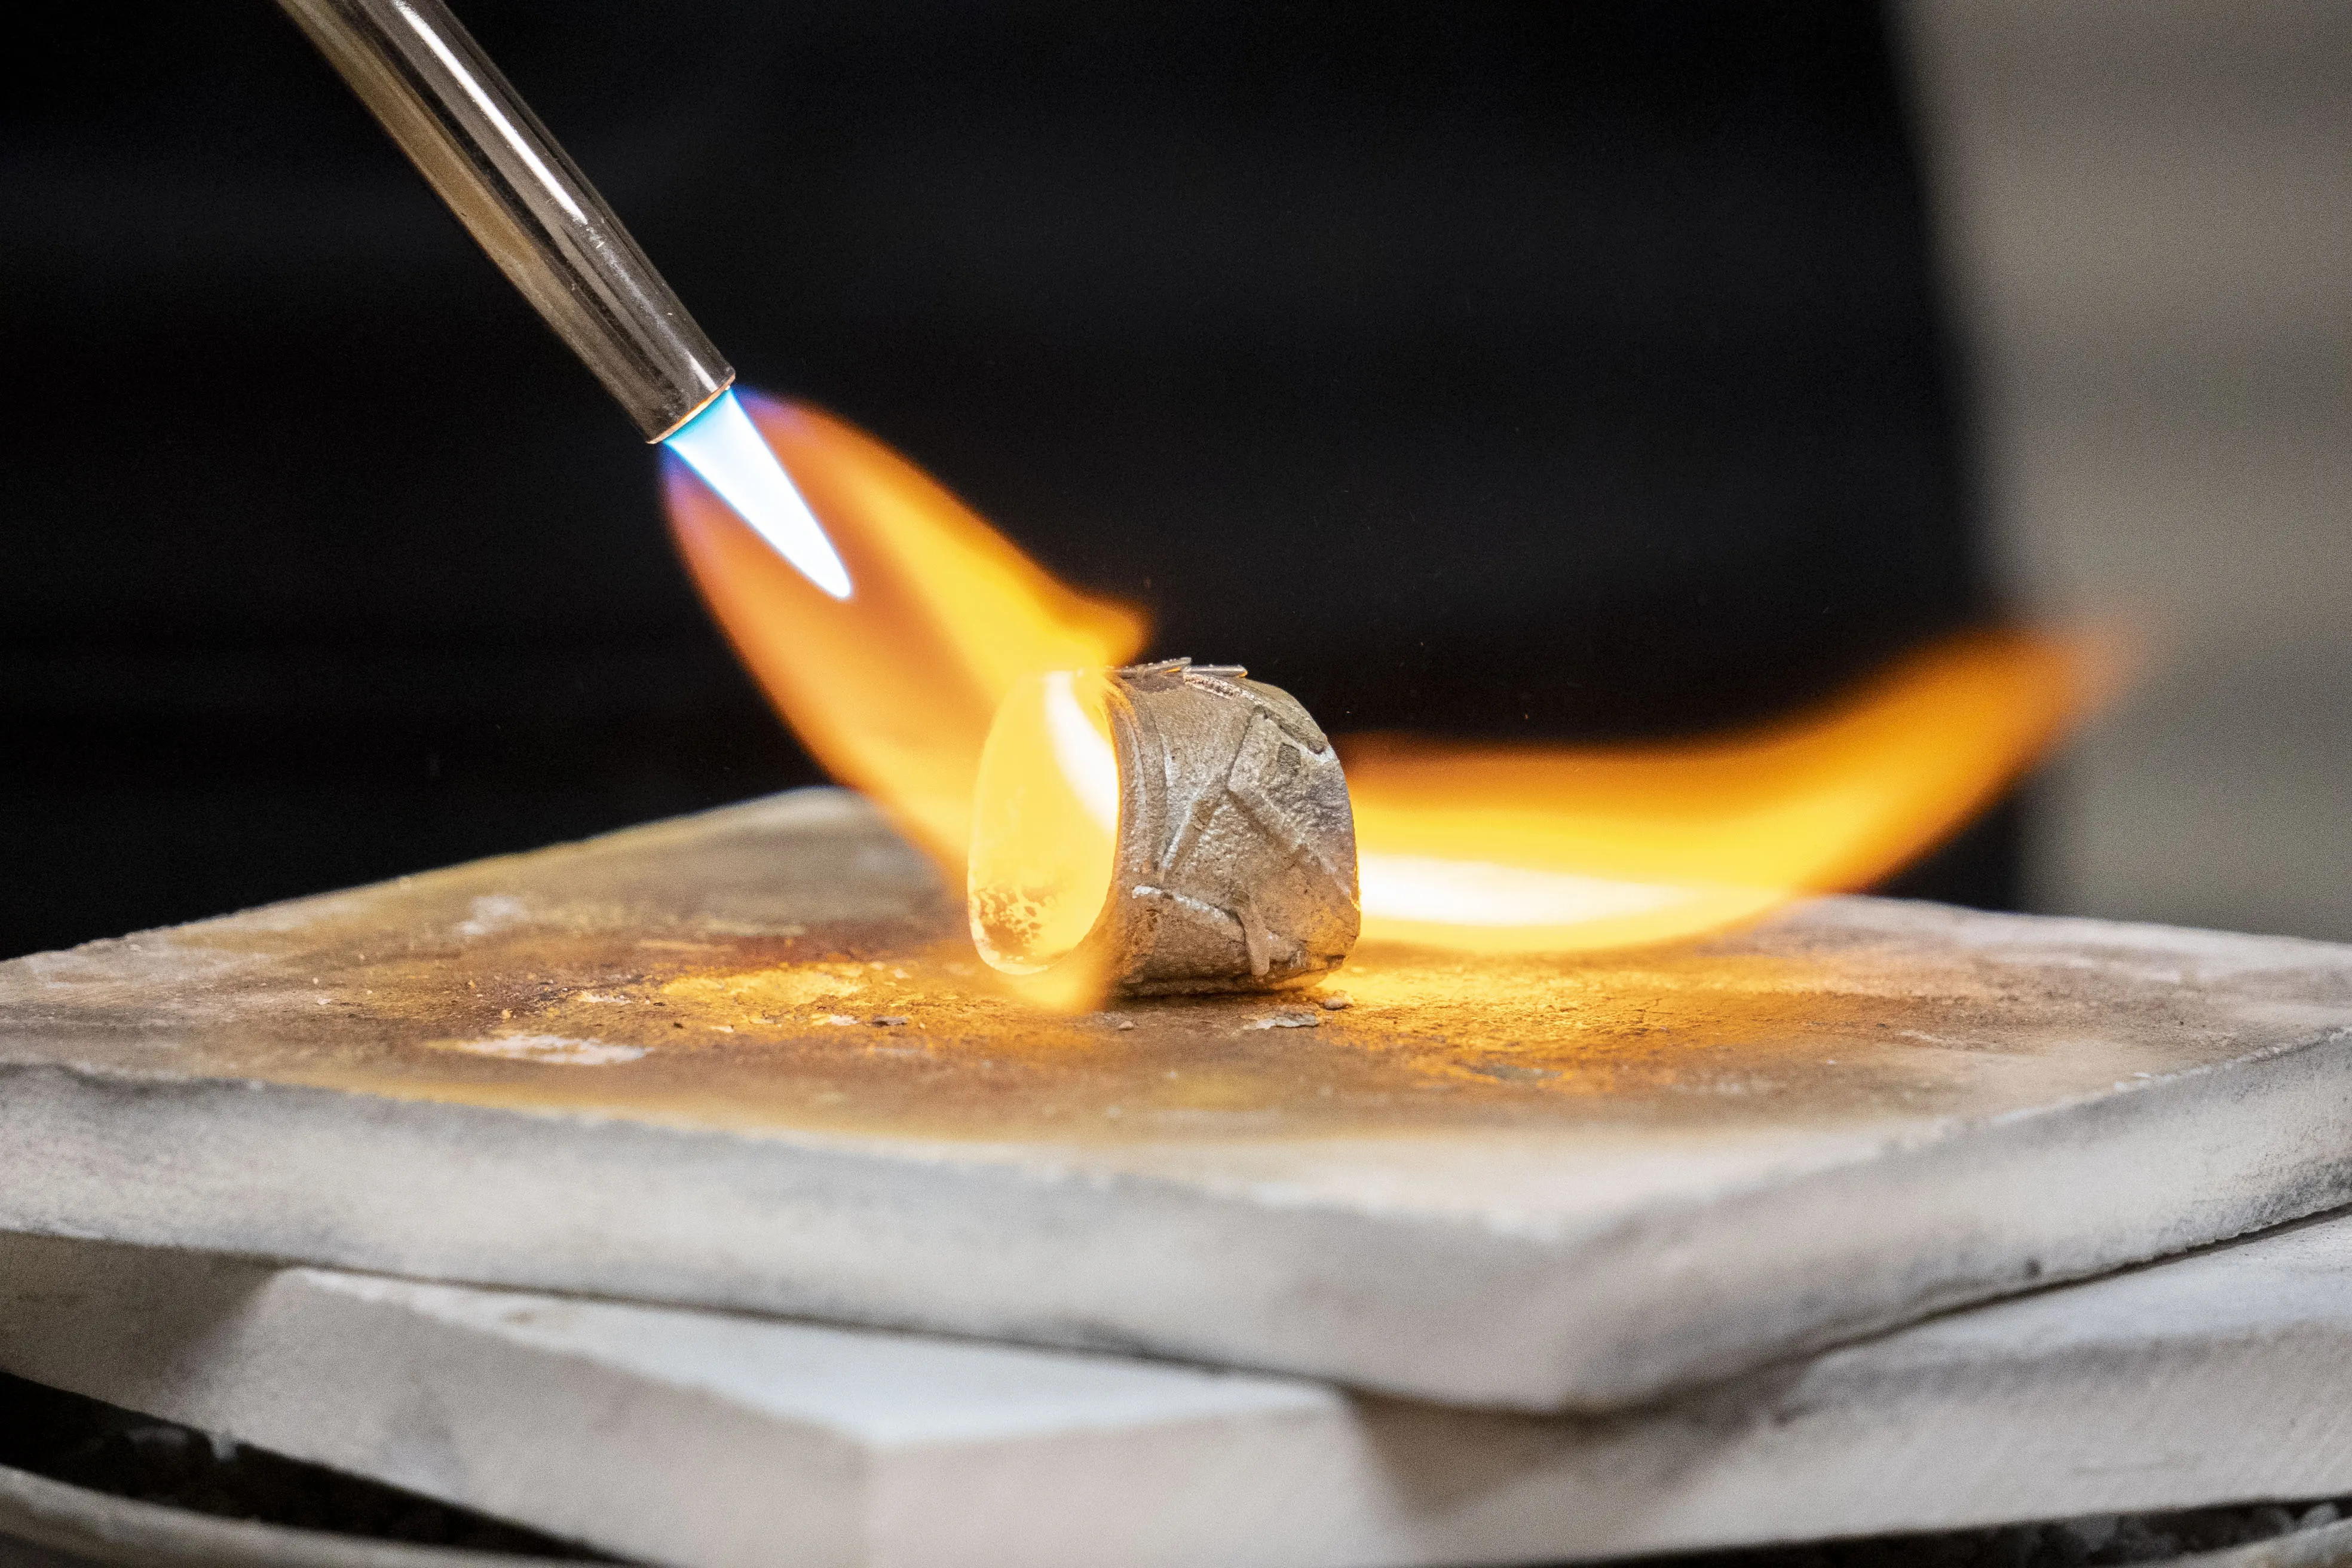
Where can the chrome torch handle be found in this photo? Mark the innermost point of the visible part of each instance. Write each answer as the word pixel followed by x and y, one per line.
pixel 490 159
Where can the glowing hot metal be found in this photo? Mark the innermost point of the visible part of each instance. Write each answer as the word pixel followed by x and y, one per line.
pixel 1161 828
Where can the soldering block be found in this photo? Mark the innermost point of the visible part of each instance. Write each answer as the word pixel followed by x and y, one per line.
pixel 746 1060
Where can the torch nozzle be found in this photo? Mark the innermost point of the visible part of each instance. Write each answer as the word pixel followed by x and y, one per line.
pixel 481 148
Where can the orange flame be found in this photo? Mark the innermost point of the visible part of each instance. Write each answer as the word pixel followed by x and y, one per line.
pixel 1471 847
pixel 892 688
pixel 1532 848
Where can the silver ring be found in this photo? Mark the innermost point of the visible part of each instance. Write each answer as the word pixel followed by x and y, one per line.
pixel 1235 868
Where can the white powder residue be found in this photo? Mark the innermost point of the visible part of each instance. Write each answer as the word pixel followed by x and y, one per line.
pixel 558 1050
pixel 495 911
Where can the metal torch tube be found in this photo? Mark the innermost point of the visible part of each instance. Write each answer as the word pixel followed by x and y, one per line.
pixel 490 159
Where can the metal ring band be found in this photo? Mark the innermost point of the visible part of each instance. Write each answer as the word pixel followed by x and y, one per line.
pixel 1236 868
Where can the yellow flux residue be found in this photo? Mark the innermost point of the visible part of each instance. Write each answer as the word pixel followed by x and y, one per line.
pixel 1468 847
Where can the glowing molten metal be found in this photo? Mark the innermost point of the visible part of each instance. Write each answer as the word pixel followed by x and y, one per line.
pixel 1468 847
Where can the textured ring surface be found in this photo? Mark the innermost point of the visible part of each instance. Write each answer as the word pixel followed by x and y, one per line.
pixel 1236 868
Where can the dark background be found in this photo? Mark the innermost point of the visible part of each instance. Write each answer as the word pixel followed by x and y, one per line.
pixel 1548 372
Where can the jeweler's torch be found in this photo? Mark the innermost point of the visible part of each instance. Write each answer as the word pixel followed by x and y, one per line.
pixel 476 143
